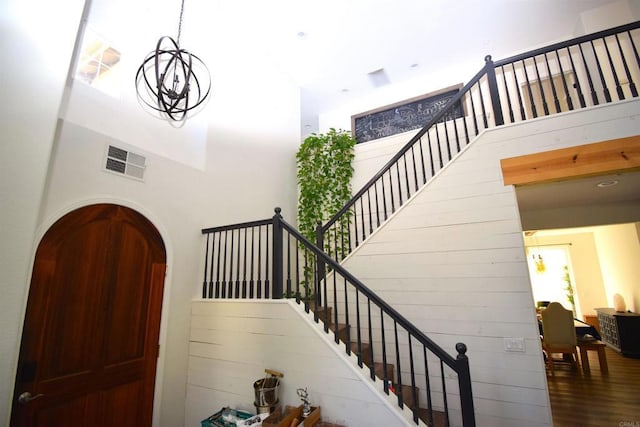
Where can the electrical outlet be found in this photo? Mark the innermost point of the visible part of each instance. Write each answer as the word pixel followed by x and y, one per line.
pixel 514 344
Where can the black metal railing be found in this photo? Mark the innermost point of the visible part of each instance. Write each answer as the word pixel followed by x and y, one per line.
pixel 271 259
pixel 586 71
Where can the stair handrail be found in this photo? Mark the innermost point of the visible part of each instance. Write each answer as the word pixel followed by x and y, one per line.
pixel 497 105
pixel 269 250
pixel 460 363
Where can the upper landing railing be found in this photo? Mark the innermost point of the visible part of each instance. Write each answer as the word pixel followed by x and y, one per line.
pixel 583 72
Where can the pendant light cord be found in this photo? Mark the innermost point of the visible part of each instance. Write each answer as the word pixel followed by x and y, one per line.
pixel 180 23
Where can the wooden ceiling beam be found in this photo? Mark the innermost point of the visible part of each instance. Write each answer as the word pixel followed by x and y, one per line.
pixel 614 156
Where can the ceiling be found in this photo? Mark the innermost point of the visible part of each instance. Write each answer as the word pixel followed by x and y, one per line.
pixel 579 202
pixel 329 47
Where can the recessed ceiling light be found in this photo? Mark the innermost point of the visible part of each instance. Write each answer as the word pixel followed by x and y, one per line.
pixel 416 65
pixel 345 90
pixel 609 183
pixel 301 35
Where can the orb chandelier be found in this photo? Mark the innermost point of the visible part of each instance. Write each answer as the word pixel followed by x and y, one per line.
pixel 171 80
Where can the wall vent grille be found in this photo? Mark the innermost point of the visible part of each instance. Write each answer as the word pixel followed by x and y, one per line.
pixel 125 163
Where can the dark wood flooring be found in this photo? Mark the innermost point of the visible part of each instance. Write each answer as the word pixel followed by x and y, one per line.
pixel 596 399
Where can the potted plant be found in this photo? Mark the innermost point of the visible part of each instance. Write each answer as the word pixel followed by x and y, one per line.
pixel 324 172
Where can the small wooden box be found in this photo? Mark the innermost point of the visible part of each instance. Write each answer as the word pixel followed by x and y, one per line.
pixel 285 417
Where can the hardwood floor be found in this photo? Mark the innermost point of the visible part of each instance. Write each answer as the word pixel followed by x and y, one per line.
pixel 596 399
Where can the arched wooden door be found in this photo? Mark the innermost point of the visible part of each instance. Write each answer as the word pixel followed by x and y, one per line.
pixel 90 340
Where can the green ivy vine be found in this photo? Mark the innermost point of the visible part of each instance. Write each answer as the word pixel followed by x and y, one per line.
pixel 324 172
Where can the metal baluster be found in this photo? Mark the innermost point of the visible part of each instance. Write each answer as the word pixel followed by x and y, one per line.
pixel 393 208
pixel 534 110
pixel 244 267
pixel 605 88
pixel 464 123
pixel 206 265
pixel 421 156
pixel 414 390
pixel 230 282
pixel 347 320
pixel 446 138
pixel 237 287
pixel 288 291
pixel 613 70
pixel 218 295
pixel 375 191
pixel 594 95
pixel 415 169
pixel 297 252
pixel 553 86
pixel 506 90
pixel 223 285
pixel 427 384
pixel 358 328
pixel 444 391
pixel 372 370
pixel 545 106
pixel 439 146
pixel 455 130
pixel 406 175
pixel 632 85
pixel 267 250
pixel 397 164
pixel 635 51
pixel 433 168
pixel 482 107
pixel 576 85
pixel 517 90
pixel 259 279
pixel 364 234
pixel 564 83
pixel 383 342
pixel 473 109
pixel 253 266
pixel 384 199
pixel 370 213
pixel 398 367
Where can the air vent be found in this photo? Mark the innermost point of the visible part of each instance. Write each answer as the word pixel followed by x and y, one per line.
pixel 125 163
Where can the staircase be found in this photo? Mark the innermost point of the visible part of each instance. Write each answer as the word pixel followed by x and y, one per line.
pixel 270 259
pixel 382 371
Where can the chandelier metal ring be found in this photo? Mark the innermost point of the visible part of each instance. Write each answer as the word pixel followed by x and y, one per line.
pixel 171 85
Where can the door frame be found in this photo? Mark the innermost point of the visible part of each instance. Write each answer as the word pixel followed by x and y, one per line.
pixel 44 226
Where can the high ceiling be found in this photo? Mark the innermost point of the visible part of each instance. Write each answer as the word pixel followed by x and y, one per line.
pixel 329 47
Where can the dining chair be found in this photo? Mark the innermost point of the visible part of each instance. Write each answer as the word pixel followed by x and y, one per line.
pixel 559 334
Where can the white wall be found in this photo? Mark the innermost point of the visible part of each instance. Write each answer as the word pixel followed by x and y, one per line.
pixel 233 342
pixel 619 252
pixel 37 38
pixel 589 285
pixel 245 175
pixel 452 260
pixel 222 166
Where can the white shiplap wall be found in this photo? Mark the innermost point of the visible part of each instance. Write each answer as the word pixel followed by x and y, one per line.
pixel 452 260
pixel 233 341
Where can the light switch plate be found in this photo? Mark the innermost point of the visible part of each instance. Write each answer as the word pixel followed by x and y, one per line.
pixel 514 344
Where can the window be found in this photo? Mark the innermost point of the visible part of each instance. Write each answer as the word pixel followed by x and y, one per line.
pixel 98 64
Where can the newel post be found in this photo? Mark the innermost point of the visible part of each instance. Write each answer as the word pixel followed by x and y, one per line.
pixel 464 382
pixel 277 258
pixel 493 90
pixel 321 265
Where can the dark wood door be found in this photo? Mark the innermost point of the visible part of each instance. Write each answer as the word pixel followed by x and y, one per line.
pixel 90 339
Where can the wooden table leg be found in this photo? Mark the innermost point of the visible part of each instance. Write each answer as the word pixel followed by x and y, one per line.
pixel 584 358
pixel 602 358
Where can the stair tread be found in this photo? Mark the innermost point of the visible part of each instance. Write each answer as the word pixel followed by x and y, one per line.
pixel 439 417
pixel 407 395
